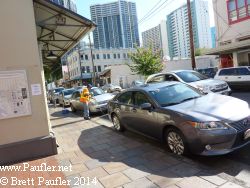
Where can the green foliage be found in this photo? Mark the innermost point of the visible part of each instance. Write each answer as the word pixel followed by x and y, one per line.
pixel 145 62
pixel 200 51
pixel 52 72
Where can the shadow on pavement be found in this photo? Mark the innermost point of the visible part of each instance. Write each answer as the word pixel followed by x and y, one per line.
pixel 105 145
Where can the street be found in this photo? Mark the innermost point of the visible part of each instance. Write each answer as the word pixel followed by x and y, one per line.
pixel 130 160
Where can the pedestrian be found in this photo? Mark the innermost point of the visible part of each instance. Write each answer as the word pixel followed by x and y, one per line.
pixel 85 98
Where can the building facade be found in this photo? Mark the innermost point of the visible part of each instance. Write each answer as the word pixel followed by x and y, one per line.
pixel 69 4
pixel 178 29
pixel 102 58
pixel 156 38
pixel 232 21
pixel 117 25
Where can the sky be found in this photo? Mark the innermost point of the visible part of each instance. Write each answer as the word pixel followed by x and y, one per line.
pixel 143 7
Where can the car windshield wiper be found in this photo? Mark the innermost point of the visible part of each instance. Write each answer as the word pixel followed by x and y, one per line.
pixel 190 98
pixel 170 104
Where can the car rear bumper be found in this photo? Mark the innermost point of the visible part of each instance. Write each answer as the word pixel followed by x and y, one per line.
pixel 98 108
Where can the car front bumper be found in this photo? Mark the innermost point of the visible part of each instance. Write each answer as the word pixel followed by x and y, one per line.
pixel 219 142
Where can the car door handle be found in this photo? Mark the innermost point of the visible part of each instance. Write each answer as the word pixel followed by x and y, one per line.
pixel 239 76
pixel 226 77
pixel 134 110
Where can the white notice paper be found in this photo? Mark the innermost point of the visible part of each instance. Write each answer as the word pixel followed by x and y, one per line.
pixel 14 94
pixel 36 89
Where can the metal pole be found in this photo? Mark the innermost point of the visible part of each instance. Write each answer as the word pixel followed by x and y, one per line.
pixel 191 37
pixel 93 66
pixel 80 63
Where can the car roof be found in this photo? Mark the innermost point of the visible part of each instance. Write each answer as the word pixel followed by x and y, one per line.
pixel 234 67
pixel 175 71
pixel 153 86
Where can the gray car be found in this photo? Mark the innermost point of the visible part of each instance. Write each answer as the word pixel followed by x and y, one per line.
pixel 188 120
pixel 98 102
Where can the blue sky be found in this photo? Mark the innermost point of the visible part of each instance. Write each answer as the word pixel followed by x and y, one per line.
pixel 143 7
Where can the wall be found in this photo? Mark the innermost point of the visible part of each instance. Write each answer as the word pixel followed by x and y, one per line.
pixel 201 62
pixel 224 31
pixel 19 50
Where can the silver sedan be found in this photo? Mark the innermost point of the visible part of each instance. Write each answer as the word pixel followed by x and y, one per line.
pixel 98 101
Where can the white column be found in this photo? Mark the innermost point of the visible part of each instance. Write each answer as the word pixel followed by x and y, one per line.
pixel 235 59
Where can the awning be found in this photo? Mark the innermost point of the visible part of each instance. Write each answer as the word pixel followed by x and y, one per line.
pixel 58 29
pixel 103 73
pixel 229 48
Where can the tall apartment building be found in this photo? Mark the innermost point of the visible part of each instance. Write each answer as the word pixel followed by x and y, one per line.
pixel 156 38
pixel 232 23
pixel 117 25
pixel 69 4
pixel 178 29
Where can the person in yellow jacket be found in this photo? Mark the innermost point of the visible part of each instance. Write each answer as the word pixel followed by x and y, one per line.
pixel 85 98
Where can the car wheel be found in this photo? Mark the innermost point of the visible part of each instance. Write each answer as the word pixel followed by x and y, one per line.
pixel 72 108
pixel 117 123
pixel 176 141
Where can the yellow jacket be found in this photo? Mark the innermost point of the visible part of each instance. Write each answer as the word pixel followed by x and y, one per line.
pixel 85 96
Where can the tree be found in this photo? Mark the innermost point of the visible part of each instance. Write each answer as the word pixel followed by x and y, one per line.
pixel 200 51
pixel 145 61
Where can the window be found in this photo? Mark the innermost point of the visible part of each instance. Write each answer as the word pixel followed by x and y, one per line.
pixel 88 69
pixel 118 55
pixel 170 77
pixel 76 95
pixel 108 56
pixel 95 68
pixel 124 55
pixel 93 56
pixel 86 57
pixel 156 79
pixel 105 66
pixel 227 72
pixel 97 56
pixel 238 10
pixel 243 71
pixel 114 55
pixel 81 57
pixel 125 98
pixel 104 56
pixel 99 68
pixel 140 99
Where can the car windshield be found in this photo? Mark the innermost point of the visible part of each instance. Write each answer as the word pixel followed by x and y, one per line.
pixel 57 90
pixel 190 76
pixel 174 94
pixel 97 91
pixel 68 92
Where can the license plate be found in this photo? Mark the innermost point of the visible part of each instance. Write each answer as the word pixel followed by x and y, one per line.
pixel 247 134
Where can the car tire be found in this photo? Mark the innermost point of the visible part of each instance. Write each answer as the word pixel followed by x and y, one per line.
pixel 176 141
pixel 117 123
pixel 72 108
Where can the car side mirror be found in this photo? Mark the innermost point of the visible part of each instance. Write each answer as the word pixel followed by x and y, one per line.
pixel 146 106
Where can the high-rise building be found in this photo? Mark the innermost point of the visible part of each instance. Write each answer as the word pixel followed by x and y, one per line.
pixel 156 38
pixel 213 37
pixel 178 29
pixel 117 25
pixel 69 4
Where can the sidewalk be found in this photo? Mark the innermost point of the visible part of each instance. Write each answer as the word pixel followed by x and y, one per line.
pixel 101 157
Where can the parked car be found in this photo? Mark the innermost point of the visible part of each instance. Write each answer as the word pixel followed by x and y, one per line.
pixel 209 72
pixel 194 79
pixel 184 117
pixel 236 77
pixel 111 88
pixel 137 83
pixel 54 93
pixel 65 96
pixel 98 102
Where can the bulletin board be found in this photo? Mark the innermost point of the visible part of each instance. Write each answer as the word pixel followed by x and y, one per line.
pixel 14 94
